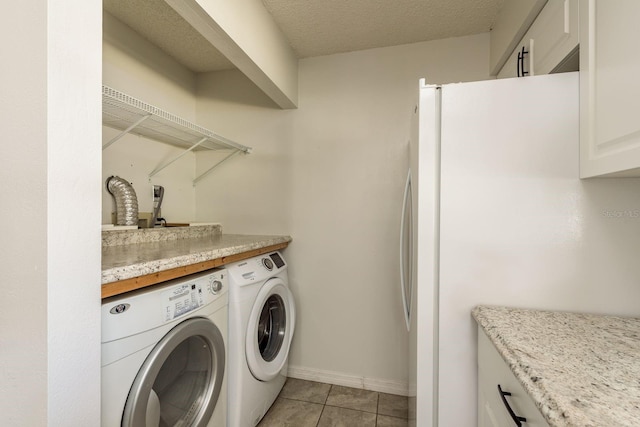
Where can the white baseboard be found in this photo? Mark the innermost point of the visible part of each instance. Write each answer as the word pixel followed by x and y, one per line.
pixel 338 378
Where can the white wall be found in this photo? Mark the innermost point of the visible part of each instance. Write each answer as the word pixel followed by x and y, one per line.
pixel 249 194
pixel 23 333
pixel 140 69
pixel 50 116
pixel 331 174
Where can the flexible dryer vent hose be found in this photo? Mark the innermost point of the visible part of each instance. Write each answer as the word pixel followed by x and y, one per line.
pixel 126 200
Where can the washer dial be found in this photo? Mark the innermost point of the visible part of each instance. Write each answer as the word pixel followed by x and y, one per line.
pixel 267 263
pixel 215 287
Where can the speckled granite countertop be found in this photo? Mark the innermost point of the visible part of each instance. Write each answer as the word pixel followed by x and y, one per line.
pixel 133 253
pixel 580 370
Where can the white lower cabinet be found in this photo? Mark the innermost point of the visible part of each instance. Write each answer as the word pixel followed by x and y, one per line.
pixel 493 376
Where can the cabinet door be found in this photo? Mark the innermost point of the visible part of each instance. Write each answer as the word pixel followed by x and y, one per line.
pixel 486 417
pixel 519 63
pixel 609 90
pixel 556 34
pixel 491 412
pixel 493 372
pixel 514 20
pixel 552 38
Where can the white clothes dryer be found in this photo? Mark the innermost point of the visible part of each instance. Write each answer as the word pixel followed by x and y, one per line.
pixel 261 325
pixel 164 354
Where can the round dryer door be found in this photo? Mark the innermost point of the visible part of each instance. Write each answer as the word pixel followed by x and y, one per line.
pixel 270 330
pixel 180 381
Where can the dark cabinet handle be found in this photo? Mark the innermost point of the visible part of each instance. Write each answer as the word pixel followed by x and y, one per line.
pixel 516 419
pixel 520 63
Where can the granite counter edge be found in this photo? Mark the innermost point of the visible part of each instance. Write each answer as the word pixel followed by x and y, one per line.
pixel 114 274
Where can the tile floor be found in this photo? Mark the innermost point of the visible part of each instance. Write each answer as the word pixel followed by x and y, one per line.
pixel 312 404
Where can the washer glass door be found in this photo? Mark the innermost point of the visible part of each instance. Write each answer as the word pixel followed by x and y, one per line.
pixel 180 381
pixel 270 329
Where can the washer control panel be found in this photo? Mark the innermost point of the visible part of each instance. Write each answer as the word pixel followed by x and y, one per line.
pixel 277 259
pixel 192 294
pixel 142 310
pixel 257 268
pixel 182 299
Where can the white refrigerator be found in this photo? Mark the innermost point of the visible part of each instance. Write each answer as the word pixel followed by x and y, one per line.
pixel 495 214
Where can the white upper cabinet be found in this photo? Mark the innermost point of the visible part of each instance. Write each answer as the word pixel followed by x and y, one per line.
pixel 609 88
pixel 550 44
pixel 513 22
pixel 519 63
pixel 555 34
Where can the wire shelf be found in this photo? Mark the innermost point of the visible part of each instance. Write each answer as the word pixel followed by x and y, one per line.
pixel 130 115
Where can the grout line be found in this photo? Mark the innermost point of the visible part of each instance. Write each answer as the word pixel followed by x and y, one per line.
pixel 320 417
pixel 324 405
pixel 327 398
pixel 352 409
pixel 297 399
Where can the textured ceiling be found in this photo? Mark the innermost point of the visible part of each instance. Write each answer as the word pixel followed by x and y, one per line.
pixel 323 27
pixel 157 22
pixel 315 27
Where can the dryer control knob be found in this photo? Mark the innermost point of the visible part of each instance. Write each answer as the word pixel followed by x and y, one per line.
pixel 268 264
pixel 216 286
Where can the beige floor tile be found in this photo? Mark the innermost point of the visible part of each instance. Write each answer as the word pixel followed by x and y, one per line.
pixel 342 417
pixel 353 398
pixel 308 391
pixel 385 421
pixel 393 405
pixel 292 413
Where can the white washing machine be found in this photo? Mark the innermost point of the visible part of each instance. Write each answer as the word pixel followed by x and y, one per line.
pixel 164 354
pixel 261 324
